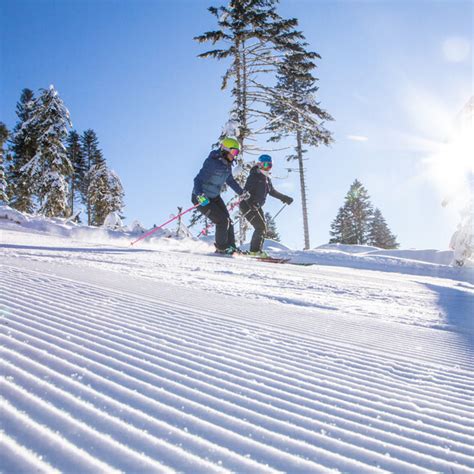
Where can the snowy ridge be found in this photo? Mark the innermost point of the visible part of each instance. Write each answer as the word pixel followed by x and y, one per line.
pixel 156 385
pixel 413 261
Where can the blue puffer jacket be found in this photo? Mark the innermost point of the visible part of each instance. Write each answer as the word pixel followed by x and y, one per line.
pixel 215 171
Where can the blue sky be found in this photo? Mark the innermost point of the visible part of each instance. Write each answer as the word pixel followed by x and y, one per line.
pixel 393 74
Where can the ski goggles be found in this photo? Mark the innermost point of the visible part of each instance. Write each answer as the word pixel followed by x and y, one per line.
pixel 265 165
pixel 232 151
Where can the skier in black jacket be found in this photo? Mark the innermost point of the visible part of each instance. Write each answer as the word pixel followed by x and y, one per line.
pixel 259 186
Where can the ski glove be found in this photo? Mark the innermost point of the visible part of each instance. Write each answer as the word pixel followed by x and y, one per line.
pixel 287 199
pixel 202 200
pixel 244 196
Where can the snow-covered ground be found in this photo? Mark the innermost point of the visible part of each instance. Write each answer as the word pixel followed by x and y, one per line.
pixel 162 357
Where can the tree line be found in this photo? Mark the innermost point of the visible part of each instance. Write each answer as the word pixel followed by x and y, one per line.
pixel 358 223
pixel 47 168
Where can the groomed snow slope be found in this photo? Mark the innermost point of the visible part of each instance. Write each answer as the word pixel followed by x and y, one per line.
pixel 155 359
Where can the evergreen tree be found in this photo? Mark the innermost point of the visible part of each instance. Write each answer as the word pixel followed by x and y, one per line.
pixel 272 232
pixel 50 168
pixel 295 112
pixel 92 158
pixel 76 157
pixel 105 193
pixel 340 228
pixel 97 194
pixel 116 193
pixel 379 233
pixel 3 182
pixel 22 149
pixel 352 223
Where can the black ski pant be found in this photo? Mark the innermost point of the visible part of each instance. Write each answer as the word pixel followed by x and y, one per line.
pixel 217 212
pixel 254 214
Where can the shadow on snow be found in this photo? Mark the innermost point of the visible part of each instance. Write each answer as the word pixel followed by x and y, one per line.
pixel 458 307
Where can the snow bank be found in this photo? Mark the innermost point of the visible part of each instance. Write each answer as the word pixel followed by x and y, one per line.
pixel 358 249
pixel 440 257
pixel 412 261
pixel 112 232
pixel 9 214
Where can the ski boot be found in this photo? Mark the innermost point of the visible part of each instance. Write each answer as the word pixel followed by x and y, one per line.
pixel 259 254
pixel 229 250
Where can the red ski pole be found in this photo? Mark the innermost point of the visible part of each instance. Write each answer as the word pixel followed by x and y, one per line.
pixel 162 225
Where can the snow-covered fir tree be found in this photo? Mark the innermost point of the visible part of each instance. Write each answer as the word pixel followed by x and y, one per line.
pixel 49 170
pixel 97 193
pixel 116 193
pixel 272 232
pixel 295 112
pixel 352 223
pixel 137 227
pixel 22 149
pixel 379 233
pixel 3 181
pixel 76 157
pixel 92 157
pixel 113 221
pixel 105 193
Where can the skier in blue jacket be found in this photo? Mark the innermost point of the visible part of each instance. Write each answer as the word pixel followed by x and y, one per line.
pixel 215 172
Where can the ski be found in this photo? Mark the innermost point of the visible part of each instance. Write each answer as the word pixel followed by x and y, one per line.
pixel 260 259
pixel 270 259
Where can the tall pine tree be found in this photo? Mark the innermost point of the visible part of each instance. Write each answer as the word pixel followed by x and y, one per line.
pixel 352 223
pixel 93 159
pixel 116 193
pixel 22 149
pixel 3 182
pixel 295 112
pixel 76 157
pixel 340 228
pixel 379 233
pixel 105 193
pixel 50 168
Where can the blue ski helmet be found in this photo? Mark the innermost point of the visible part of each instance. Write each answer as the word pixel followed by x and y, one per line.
pixel 265 162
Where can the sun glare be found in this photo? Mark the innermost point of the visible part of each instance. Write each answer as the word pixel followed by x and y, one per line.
pixel 453 163
pixel 449 158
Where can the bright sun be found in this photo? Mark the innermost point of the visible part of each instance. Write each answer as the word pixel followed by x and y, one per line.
pixel 451 165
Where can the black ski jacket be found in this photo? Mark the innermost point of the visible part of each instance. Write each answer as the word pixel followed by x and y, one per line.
pixel 259 185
